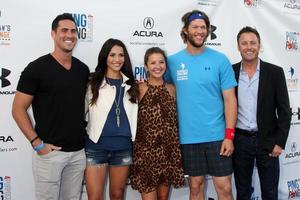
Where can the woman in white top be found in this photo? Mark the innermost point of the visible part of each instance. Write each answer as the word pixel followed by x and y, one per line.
pixel 111 105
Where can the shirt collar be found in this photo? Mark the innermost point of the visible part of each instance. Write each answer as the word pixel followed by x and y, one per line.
pixel 257 67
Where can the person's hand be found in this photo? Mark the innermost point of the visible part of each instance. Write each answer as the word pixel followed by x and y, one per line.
pixel 46 149
pixel 277 150
pixel 227 148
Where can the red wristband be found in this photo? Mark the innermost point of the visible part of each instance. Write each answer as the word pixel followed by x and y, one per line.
pixel 229 133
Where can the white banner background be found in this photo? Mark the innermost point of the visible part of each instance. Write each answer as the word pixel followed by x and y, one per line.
pixel 25 35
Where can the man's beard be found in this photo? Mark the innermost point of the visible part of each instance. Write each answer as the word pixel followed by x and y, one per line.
pixel 193 43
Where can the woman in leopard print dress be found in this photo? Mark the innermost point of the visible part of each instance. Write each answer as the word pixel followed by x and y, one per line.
pixel 156 152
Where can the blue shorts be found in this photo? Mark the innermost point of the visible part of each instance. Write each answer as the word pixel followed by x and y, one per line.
pixel 107 157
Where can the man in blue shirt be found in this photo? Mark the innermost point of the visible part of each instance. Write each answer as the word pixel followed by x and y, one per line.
pixel 263 119
pixel 206 106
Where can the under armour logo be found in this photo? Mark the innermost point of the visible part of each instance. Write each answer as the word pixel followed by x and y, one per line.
pixel 296 113
pixel 212 30
pixel 4 73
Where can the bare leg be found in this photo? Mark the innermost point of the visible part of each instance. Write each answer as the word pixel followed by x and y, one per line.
pixel 95 181
pixel 196 184
pixel 117 181
pixel 223 187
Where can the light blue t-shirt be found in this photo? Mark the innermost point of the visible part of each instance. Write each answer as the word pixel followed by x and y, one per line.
pixel 200 80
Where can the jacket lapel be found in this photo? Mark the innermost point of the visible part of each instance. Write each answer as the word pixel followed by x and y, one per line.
pixel 237 68
pixel 263 77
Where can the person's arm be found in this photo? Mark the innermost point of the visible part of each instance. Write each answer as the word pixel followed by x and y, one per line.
pixel 20 106
pixel 230 106
pixel 142 90
pixel 171 89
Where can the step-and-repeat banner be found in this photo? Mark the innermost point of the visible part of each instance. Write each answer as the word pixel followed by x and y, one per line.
pixel 25 28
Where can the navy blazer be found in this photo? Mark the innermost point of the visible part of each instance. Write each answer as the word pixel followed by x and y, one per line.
pixel 273 107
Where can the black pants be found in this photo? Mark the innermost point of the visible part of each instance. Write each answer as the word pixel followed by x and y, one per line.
pixel 246 152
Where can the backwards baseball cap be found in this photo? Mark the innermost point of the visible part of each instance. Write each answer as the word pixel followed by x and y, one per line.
pixel 195 16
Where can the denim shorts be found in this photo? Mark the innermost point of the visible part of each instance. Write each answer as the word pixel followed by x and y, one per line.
pixel 107 157
pixel 204 158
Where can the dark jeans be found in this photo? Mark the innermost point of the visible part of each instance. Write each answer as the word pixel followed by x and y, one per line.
pixel 246 152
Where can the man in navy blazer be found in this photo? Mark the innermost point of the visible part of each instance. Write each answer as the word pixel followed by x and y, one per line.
pixel 263 120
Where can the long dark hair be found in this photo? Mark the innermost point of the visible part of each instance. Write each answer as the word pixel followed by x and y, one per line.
pixel 98 76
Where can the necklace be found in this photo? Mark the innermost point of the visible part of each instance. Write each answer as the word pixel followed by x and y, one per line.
pixel 117 103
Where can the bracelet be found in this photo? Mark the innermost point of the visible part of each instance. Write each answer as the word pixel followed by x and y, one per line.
pixel 39 147
pixel 229 133
pixel 34 139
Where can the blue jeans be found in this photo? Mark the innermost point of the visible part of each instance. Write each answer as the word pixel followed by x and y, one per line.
pixel 246 152
pixel 107 157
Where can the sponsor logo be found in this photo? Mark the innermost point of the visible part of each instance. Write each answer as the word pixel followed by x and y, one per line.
pixel 292 5
pixel 140 73
pixel 292 81
pixel 292 41
pixel 148 24
pixel 5 82
pixel 5 34
pixel 85 26
pixel 293 188
pixel 293 147
pixel 213 36
pixel 295 112
pixel 292 154
pixel 3 77
pixel 207 2
pixel 212 30
pixel 252 3
pixel 5 188
pixel 148 33
pixel 6 138
pixel 182 73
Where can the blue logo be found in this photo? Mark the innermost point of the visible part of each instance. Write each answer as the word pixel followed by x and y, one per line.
pixel 293 188
pixel 5 188
pixel 292 82
pixel 84 24
pixel 140 73
pixel 292 71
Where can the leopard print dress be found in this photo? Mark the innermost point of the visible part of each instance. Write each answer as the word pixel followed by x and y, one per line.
pixel 156 150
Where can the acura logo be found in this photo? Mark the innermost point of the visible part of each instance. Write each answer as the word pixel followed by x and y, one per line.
pixel 293 147
pixel 148 23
